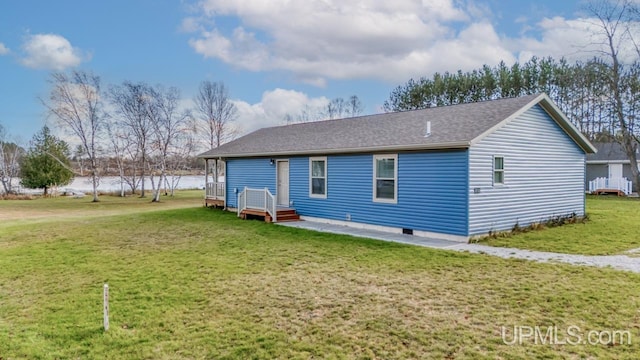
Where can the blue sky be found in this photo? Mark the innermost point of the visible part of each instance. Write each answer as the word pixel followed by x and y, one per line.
pixel 277 57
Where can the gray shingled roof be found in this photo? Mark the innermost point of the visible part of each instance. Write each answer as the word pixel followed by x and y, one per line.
pixel 451 127
pixel 608 151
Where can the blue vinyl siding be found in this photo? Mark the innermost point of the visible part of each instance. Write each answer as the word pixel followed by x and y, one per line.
pixel 543 174
pixel 431 191
pixel 253 172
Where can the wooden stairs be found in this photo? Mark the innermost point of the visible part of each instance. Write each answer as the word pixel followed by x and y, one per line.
pixel 283 214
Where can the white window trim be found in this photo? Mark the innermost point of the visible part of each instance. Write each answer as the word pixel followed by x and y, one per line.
pixel 395 178
pixel 493 170
pixel 326 177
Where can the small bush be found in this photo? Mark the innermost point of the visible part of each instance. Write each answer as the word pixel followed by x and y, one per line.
pixel 554 221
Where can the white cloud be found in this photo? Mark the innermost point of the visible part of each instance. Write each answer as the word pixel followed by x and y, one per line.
pixel 50 51
pixel 241 49
pixel 273 108
pixel 574 39
pixel 317 40
pixel 3 49
pixel 190 24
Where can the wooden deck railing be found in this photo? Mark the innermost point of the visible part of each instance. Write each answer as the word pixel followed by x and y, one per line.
pixel 619 184
pixel 215 190
pixel 257 199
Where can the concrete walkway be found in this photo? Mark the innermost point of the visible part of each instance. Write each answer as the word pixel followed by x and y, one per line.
pixel 620 262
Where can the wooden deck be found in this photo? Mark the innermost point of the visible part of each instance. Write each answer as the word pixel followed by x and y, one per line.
pixel 608 191
pixel 283 214
pixel 213 202
pixel 620 186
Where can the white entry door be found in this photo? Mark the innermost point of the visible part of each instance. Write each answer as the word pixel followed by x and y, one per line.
pixel 615 171
pixel 283 182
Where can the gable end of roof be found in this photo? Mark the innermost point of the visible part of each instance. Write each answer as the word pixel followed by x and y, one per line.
pixel 555 113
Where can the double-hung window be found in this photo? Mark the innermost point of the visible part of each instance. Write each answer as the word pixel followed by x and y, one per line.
pixel 318 177
pixel 498 170
pixel 385 178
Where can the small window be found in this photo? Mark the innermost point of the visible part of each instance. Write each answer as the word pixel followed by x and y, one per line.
pixel 318 177
pixel 385 178
pixel 498 170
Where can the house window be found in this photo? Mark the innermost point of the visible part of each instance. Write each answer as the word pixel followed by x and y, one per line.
pixel 498 170
pixel 318 177
pixel 385 178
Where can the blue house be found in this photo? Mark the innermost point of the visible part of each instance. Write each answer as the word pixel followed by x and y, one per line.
pixel 454 172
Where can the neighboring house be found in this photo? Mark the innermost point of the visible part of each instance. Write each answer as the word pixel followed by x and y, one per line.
pixel 453 172
pixel 610 162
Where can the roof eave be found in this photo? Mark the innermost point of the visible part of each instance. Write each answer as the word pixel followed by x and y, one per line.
pixel 566 125
pixel 413 147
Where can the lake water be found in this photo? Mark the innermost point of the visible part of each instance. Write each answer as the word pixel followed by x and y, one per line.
pixel 112 184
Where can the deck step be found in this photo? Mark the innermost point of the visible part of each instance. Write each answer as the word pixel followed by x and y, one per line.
pixel 288 217
pixel 282 215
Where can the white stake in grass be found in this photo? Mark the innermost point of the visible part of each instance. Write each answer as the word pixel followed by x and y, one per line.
pixel 106 307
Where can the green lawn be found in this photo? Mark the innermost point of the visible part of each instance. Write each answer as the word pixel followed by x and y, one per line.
pixel 613 228
pixel 189 283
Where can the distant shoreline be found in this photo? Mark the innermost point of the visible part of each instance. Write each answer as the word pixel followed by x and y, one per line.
pixel 112 184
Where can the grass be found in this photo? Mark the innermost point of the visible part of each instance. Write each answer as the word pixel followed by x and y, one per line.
pixel 192 283
pixel 613 228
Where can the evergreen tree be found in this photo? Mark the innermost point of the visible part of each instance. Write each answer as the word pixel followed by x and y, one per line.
pixel 46 163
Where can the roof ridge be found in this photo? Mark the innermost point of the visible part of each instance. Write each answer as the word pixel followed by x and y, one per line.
pixel 532 96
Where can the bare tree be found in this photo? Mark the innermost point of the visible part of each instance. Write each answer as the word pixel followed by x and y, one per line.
pixel 183 149
pixel 118 142
pixel 335 109
pixel 10 153
pixel 215 113
pixel 75 102
pixel 132 102
pixel 340 108
pixel 614 28
pixel 168 124
pixel 78 157
pixel 354 106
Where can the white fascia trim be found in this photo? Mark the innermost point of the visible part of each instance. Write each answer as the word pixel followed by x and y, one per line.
pixel 389 229
pixel 564 122
pixel 555 113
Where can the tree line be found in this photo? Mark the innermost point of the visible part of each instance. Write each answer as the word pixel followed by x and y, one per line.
pixel 337 108
pixel 141 128
pixel 581 90
pixel 601 96
pixel 138 128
